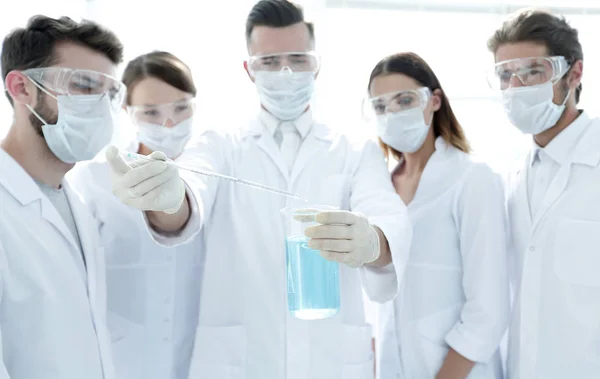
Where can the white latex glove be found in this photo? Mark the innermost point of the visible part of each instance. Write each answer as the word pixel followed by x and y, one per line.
pixel 344 237
pixel 146 185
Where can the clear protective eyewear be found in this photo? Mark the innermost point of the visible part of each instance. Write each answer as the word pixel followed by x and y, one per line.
pixel 396 102
pixel 72 82
pixel 166 114
pixel 525 72
pixel 291 62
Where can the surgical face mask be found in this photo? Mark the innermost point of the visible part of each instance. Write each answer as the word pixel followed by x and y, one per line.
pixel 83 128
pixel 170 141
pixel 405 131
pixel 285 95
pixel 531 108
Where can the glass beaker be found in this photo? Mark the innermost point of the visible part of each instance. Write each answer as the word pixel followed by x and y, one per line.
pixel 313 282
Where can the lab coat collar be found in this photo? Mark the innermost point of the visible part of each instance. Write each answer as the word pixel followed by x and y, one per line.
pixel 442 147
pixel 17 181
pixel 23 188
pixel 586 151
pixel 563 146
pixel 303 123
pixel 265 123
pixel 583 152
pixel 318 136
pixel 439 175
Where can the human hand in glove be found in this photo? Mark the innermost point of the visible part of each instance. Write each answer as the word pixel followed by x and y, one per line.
pixel 149 185
pixel 344 237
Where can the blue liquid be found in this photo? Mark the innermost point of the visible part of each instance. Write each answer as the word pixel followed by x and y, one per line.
pixel 313 283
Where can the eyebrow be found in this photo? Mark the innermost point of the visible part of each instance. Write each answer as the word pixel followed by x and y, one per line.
pixel 176 102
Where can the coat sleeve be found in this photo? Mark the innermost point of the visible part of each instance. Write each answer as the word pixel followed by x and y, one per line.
pixel 205 153
pixel 373 195
pixel 480 215
pixel 3 369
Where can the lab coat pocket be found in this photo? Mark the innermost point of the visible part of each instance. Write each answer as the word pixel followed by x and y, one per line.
pixel 432 349
pixel 335 191
pixel 127 340
pixel 577 252
pixel 357 346
pixel 219 352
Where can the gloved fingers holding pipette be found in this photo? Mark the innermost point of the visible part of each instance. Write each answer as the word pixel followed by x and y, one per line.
pixel 345 237
pixel 149 185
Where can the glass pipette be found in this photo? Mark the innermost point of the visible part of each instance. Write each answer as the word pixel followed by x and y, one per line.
pixel 221 176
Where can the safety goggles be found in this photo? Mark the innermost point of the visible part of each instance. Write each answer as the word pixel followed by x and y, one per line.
pixel 396 102
pixel 70 82
pixel 524 72
pixel 167 114
pixel 291 62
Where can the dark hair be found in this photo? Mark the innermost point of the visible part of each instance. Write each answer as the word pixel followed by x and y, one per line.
pixel 159 65
pixel 34 45
pixel 276 14
pixel 444 121
pixel 542 27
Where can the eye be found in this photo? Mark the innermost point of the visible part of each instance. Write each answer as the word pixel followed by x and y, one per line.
pixel 379 108
pixel 181 108
pixel 268 61
pixel 151 112
pixel 406 100
pixel 82 88
pixel 505 76
pixel 535 71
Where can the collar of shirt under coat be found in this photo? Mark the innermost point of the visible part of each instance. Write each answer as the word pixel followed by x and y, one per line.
pixel 303 123
pixel 563 144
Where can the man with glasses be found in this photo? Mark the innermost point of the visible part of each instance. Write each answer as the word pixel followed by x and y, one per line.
pixel 59 79
pixel 245 329
pixel 553 200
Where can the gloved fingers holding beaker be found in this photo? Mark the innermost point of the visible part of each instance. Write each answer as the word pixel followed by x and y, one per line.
pixel 344 237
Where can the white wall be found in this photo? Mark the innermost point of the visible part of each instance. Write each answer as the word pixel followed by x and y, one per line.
pixel 350 41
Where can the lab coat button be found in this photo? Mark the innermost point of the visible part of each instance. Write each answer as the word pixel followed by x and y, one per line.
pixel 532 248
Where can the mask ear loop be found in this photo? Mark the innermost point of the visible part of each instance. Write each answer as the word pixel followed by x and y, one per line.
pixel 36 114
pixel 564 76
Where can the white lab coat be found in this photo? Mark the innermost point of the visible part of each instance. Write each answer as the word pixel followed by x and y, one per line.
pixel 455 291
pixel 52 323
pixel 555 329
pixel 153 291
pixel 245 330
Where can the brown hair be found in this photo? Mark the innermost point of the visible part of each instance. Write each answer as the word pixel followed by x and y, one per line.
pixel 542 27
pixel 276 14
pixel 159 65
pixel 444 121
pixel 34 45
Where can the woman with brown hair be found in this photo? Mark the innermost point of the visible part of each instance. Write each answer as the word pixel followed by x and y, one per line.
pixel 452 310
pixel 153 292
pixel 160 102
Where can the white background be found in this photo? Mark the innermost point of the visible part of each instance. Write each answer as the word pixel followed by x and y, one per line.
pixel 351 37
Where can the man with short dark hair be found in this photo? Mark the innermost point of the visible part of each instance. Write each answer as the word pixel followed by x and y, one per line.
pixel 59 76
pixel 553 208
pixel 244 326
